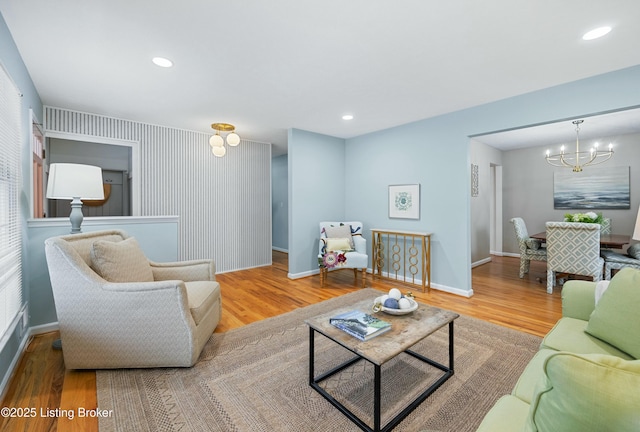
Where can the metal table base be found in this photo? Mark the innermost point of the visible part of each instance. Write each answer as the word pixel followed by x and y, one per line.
pixel 377 409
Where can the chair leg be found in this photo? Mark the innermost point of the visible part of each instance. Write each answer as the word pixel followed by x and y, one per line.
pixel 551 279
pixel 364 277
pixel 607 272
pixel 323 276
pixel 524 266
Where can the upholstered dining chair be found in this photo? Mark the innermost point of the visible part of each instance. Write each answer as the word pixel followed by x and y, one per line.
pixel 530 249
pixel 573 248
pixel 342 246
pixel 117 309
pixel 616 261
pixel 605 228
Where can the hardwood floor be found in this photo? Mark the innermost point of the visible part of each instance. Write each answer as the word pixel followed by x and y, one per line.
pixel 41 381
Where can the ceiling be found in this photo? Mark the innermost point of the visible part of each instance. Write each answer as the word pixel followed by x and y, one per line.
pixel 601 125
pixel 267 66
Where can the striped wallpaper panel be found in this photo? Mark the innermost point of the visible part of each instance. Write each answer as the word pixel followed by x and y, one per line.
pixel 224 204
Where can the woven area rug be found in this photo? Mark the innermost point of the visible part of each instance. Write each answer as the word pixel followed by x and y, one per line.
pixel 255 378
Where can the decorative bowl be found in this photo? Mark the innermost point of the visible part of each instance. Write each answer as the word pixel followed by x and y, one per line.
pixel 377 307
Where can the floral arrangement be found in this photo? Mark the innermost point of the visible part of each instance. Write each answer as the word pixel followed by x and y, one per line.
pixel 589 217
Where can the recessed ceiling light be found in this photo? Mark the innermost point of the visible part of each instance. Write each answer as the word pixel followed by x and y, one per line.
pixel 347 117
pixel 162 62
pixel 596 33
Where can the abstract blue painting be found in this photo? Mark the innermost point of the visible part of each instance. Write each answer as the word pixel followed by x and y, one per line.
pixel 593 188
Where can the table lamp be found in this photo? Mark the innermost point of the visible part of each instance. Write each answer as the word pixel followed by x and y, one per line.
pixel 75 182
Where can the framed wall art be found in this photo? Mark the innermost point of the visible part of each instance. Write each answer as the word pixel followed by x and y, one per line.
pixel 404 201
pixel 594 188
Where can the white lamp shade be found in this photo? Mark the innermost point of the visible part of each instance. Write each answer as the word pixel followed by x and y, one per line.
pixel 636 231
pixel 233 139
pixel 218 151
pixel 216 141
pixel 68 181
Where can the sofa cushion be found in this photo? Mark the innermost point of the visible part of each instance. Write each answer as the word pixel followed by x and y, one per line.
pixel 505 415
pixel 120 261
pixel 586 392
pixel 202 295
pixel 615 319
pixel 568 335
pixel 526 385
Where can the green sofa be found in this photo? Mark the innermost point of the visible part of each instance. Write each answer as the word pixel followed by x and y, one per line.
pixel 586 376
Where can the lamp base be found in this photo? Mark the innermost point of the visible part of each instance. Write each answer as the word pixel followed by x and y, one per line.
pixel 76 215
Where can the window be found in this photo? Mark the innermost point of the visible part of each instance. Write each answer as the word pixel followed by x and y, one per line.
pixel 10 232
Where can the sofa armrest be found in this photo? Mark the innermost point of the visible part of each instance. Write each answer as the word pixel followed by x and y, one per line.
pixel 194 270
pixel 578 299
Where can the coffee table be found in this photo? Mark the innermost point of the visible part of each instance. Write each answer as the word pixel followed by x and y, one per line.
pixel 406 331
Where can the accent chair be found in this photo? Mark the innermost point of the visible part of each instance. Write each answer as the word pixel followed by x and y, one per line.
pixel 116 309
pixel 342 246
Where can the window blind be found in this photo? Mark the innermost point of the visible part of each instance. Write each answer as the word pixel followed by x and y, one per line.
pixel 10 180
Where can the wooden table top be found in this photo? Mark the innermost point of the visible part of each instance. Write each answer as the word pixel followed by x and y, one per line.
pixel 406 330
pixel 612 241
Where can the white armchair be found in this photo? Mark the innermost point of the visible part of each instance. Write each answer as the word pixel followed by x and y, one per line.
pixel 116 309
pixel 342 246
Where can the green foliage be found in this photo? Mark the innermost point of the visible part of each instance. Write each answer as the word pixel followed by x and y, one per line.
pixel 589 217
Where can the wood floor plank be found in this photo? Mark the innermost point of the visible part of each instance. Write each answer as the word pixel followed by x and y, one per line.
pixel 500 296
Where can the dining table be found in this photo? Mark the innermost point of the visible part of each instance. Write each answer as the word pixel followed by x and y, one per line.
pixel 607 241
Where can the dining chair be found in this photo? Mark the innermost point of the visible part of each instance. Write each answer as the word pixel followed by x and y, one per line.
pixel 616 261
pixel 530 249
pixel 573 248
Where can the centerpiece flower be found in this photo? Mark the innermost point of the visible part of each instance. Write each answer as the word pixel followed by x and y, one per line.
pixel 589 217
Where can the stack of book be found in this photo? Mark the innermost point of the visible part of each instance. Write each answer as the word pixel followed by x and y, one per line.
pixel 360 325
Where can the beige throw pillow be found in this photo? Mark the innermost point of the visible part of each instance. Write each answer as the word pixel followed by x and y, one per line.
pixel 340 231
pixel 121 261
pixel 338 244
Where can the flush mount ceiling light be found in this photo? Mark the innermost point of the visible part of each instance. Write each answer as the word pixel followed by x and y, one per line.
pixel 162 62
pixel 579 159
pixel 347 117
pixel 217 141
pixel 596 33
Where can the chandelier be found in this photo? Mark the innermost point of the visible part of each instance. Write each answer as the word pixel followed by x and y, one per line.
pixel 579 159
pixel 217 141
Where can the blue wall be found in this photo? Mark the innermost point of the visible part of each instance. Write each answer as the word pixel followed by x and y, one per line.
pixel 280 203
pixel 316 192
pixel 434 153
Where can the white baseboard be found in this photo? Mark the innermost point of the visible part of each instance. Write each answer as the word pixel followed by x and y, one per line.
pixel 509 254
pixel 303 274
pixel 439 287
pixel 279 249
pixel 482 261
pixel 43 328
